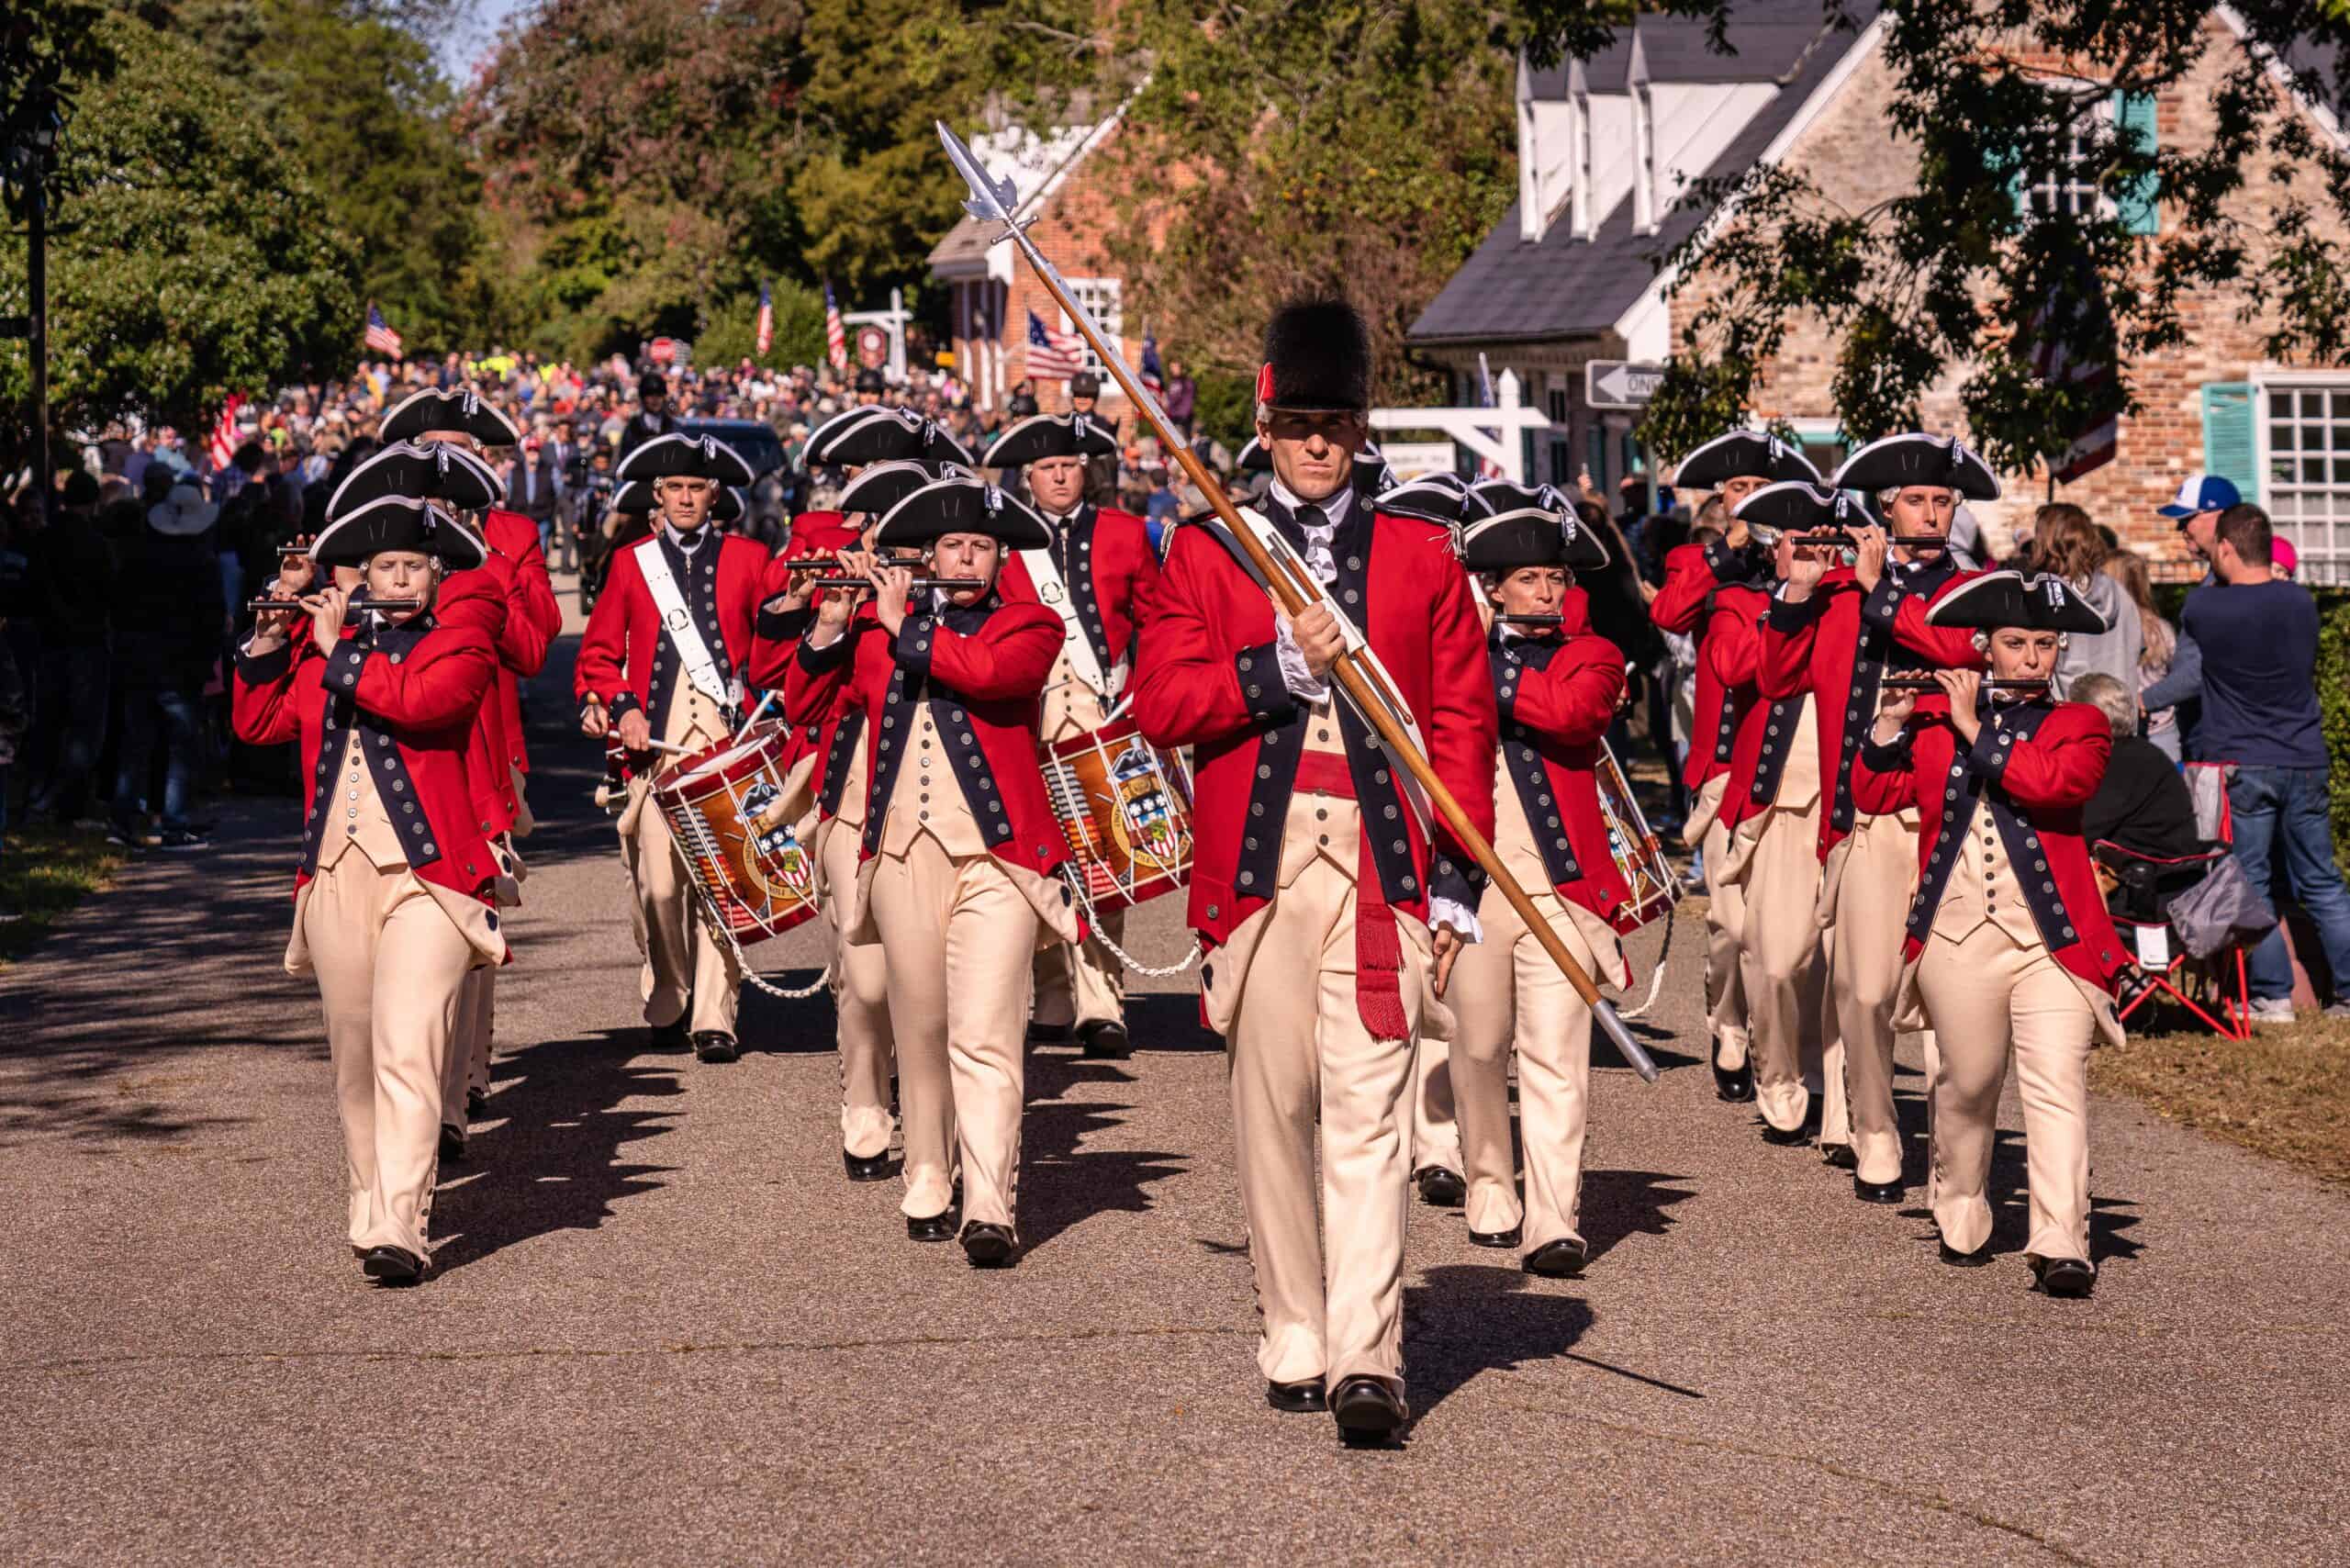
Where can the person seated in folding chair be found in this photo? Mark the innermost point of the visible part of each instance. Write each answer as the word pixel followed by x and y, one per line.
pixel 2010 950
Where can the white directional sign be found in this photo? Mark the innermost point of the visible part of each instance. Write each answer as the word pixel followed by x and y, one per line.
pixel 1620 384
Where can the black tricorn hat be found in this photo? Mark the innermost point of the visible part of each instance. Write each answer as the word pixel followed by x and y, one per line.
pixel 1317 358
pixel 1742 454
pixel 637 496
pixel 1793 506
pixel 883 484
pixel 1527 525
pixel 1443 498
pixel 812 454
pixel 1051 435
pixel 399 522
pixel 889 434
pixel 683 456
pixel 964 506
pixel 460 408
pixel 437 472
pixel 1918 459
pixel 2040 600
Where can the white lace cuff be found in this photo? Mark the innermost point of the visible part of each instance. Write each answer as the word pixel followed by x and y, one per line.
pixel 1295 675
pixel 1456 916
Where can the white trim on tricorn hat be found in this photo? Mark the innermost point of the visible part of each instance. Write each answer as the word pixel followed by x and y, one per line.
pixel 1892 462
pixel 1792 506
pixel 964 506
pixel 1529 525
pixel 814 454
pixel 895 433
pixel 459 409
pixel 680 456
pixel 399 522
pixel 881 486
pixel 433 472
pixel 1439 497
pixel 1742 454
pixel 1041 436
pixel 2040 601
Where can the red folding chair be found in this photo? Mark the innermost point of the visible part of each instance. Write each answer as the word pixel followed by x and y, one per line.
pixel 2143 885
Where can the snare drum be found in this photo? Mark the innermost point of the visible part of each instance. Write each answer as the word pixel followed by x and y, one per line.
pixel 1639 857
pixel 731 808
pixel 1125 808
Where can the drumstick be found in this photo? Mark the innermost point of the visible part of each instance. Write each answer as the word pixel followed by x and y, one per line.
pixel 765 698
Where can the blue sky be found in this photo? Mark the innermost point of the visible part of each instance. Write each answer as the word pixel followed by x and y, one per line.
pixel 464 45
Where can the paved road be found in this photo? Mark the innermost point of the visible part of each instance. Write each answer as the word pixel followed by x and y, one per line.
pixel 665 1329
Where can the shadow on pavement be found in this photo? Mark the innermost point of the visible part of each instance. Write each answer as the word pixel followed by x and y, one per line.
pixel 1619 1204
pixel 1169 1021
pixel 1061 1183
pixel 548 1158
pixel 1469 1319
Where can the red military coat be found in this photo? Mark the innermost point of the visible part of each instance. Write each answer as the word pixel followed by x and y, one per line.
pixel 1113 595
pixel 1556 699
pixel 2034 766
pixel 626 661
pixel 1208 677
pixel 776 643
pixel 981 669
pixel 1837 644
pixel 1694 575
pixel 416 689
pixel 516 538
pixel 490 599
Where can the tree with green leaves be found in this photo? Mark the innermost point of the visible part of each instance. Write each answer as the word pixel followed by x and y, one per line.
pixel 188 258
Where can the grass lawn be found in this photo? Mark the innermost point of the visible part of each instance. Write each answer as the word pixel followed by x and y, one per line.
pixel 44 874
pixel 2285 1093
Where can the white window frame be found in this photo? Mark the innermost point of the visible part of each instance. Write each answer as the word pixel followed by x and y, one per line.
pixel 2101 113
pixel 1579 200
pixel 1644 181
pixel 1104 300
pixel 2321 534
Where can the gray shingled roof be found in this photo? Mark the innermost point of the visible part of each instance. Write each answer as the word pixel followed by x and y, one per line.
pixel 1511 291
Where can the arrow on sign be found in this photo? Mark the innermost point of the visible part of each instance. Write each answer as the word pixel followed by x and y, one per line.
pixel 1620 383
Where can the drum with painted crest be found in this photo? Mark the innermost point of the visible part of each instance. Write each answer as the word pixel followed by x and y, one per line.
pixel 1639 857
pixel 1125 808
pixel 732 808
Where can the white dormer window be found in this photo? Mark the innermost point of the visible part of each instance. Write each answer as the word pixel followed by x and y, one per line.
pixel 1644 181
pixel 1580 150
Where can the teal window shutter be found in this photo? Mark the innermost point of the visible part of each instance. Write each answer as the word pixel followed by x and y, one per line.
pixel 2137 201
pixel 2229 450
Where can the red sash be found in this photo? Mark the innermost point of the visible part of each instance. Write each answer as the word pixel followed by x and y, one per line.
pixel 1378 951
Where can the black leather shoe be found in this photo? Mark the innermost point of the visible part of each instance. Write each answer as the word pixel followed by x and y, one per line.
pixel 1307 1398
pixel 930 1227
pixel 716 1045
pixel 477 1101
pixel 2068 1278
pixel 1050 1034
pixel 1440 1188
pixel 1367 1410
pixel 1734 1085
pixel 1958 1259
pixel 392 1266
pixel 453 1144
pixel 1841 1155
pixel 1560 1259
pixel 1891 1191
pixel 669 1036
pixel 866 1167
pixel 1105 1039
pixel 1787 1138
pixel 987 1245
pixel 1496 1238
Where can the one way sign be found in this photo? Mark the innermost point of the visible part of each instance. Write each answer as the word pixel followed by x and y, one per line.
pixel 1620 384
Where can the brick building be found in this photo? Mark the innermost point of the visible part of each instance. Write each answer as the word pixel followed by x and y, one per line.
pixel 1068 189
pixel 1606 146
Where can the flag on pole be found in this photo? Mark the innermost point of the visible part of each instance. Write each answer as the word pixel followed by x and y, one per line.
pixel 224 433
pixel 2077 312
pixel 766 321
pixel 1053 356
pixel 379 335
pixel 1486 467
pixel 1153 375
pixel 835 330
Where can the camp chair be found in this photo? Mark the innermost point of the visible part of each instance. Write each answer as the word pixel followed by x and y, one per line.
pixel 2180 930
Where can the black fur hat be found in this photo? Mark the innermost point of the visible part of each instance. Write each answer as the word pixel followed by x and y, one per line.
pixel 1317 358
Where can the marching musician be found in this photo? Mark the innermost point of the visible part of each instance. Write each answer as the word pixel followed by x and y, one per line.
pixel 1834 631
pixel 1557 690
pixel 1696 578
pixel 392 899
pixel 2007 944
pixel 959 846
pixel 661 667
pixel 1097 576
pixel 1324 909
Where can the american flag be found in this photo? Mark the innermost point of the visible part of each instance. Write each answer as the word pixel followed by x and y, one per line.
pixel 224 433
pixel 1053 356
pixel 1154 376
pixel 835 330
pixel 2042 342
pixel 380 336
pixel 766 321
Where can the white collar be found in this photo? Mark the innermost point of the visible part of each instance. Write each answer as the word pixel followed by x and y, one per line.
pixel 687 543
pixel 1333 505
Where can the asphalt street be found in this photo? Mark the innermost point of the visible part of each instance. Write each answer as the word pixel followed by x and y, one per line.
pixel 665 1328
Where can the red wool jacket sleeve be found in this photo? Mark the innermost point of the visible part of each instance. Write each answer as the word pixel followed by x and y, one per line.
pixel 440 686
pixel 2059 766
pixel 263 711
pixel 601 668
pixel 1885 777
pixel 1784 644
pixel 1013 660
pixel 516 537
pixel 815 679
pixel 1184 693
pixel 1732 647
pixel 1462 729
pixel 1573 698
pixel 1679 604
pixel 1950 646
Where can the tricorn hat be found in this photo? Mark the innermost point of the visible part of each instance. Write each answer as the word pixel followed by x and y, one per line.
pixel 1051 435
pixel 460 408
pixel 1527 525
pixel 2040 600
pixel 1443 498
pixel 1317 358
pixel 1918 459
pixel 1742 454
pixel 438 472
pixel 687 456
pixel 963 505
pixel 887 433
pixel 882 486
pixel 399 522
pixel 1793 506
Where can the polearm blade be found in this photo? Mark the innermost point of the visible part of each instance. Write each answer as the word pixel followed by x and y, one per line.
pixel 995 201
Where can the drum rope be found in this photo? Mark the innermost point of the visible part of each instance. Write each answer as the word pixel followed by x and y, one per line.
pixel 1656 975
pixel 1093 926
pixel 715 918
